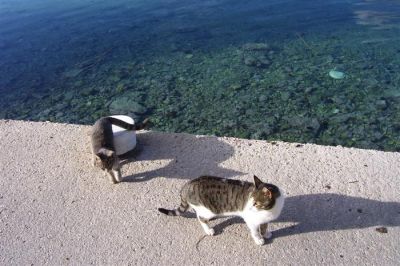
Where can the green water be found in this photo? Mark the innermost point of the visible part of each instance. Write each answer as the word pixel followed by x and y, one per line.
pixel 255 70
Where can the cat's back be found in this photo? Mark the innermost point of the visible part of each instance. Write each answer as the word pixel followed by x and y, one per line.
pixel 102 135
pixel 218 194
pixel 101 125
pixel 216 182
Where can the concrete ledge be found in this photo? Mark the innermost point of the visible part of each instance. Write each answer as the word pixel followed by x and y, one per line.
pixel 56 209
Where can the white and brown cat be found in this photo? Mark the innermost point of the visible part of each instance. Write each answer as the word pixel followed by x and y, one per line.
pixel 213 197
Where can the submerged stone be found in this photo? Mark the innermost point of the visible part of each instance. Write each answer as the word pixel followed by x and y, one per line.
pixel 259 61
pixel 250 61
pixel 336 74
pixel 72 73
pixel 381 104
pixel 255 46
pixel 125 105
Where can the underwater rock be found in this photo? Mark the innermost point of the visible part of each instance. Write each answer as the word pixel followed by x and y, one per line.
pixel 236 86
pixel 263 60
pixel 86 91
pixel 377 136
pixel 305 123
pixel 262 98
pixel 72 73
pixel 309 90
pixel 59 115
pixel 250 60
pixel 392 93
pixel 256 61
pixel 342 118
pixel 262 131
pixel 45 112
pixel 313 124
pixel 61 106
pixel 255 46
pixel 69 95
pixel 335 74
pixel 171 112
pixel 381 104
pixel 125 105
pixel 285 96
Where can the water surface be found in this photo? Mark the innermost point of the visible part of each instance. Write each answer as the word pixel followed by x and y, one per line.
pixel 253 70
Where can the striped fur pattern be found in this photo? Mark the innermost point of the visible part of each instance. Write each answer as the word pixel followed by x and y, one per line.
pixel 211 197
pixel 102 139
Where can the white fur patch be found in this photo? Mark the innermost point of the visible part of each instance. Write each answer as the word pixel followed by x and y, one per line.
pixel 257 217
pixel 249 214
pixel 203 212
pixel 259 241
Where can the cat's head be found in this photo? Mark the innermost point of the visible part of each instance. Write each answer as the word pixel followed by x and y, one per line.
pixel 108 159
pixel 265 194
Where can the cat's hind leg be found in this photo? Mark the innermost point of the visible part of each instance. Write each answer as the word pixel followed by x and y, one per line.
pixel 264 231
pixel 204 223
pixel 115 176
pixel 94 160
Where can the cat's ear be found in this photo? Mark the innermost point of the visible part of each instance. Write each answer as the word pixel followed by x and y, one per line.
pixel 257 181
pixel 267 192
pixel 105 153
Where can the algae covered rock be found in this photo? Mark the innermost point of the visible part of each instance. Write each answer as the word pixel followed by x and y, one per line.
pixel 259 61
pixel 72 73
pixel 250 61
pixel 126 105
pixel 255 46
pixel 381 104
pixel 255 55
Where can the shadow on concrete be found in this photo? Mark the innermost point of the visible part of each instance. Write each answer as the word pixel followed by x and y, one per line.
pixel 188 156
pixel 329 212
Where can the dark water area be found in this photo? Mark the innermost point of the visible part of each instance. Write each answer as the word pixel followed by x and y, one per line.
pixel 325 72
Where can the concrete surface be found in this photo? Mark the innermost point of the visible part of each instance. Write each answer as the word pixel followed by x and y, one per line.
pixel 55 209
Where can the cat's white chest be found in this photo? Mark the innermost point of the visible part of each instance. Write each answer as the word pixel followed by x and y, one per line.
pixel 255 216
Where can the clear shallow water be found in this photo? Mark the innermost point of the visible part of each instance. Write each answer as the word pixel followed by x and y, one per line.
pixel 254 70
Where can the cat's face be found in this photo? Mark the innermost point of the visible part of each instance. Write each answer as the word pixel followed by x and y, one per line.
pixel 264 195
pixel 107 159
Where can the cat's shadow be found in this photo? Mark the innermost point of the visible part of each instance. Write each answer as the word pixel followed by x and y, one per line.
pixel 329 212
pixel 187 156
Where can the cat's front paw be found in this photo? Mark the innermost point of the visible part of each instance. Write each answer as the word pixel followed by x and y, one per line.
pixel 268 235
pixel 259 241
pixel 210 231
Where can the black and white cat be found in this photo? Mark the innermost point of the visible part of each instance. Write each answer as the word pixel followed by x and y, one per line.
pixel 102 138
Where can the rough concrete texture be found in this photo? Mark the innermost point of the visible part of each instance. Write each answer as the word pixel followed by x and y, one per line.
pixel 56 209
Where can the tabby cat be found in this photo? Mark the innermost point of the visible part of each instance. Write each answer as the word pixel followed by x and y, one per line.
pixel 213 197
pixel 104 155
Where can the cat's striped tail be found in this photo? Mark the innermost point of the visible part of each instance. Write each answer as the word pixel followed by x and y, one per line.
pixel 142 125
pixel 177 212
